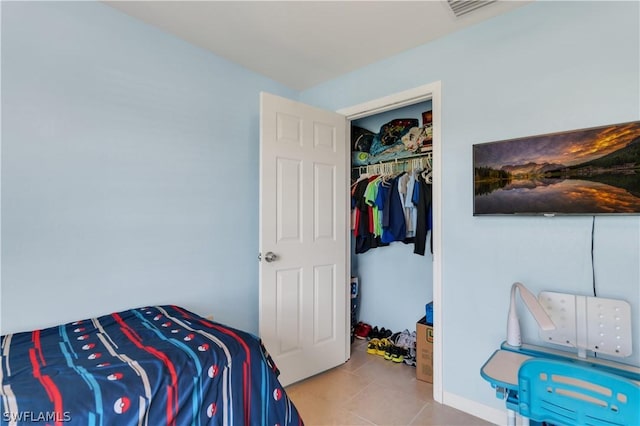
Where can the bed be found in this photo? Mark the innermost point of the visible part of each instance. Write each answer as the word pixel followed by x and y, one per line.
pixel 156 365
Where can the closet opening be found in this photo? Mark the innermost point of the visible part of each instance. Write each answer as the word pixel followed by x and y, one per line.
pixel 391 177
pixel 396 279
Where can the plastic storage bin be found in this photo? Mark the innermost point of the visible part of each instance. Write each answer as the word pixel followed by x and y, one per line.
pixel 429 313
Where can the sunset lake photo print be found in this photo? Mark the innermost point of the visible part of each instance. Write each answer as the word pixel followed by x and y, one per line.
pixel 588 171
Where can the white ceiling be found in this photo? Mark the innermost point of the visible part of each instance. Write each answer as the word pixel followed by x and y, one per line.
pixel 304 43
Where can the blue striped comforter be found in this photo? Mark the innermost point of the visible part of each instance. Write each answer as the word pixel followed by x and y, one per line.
pixel 147 366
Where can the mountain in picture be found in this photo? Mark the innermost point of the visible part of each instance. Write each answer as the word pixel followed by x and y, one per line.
pixel 627 158
pixel 532 169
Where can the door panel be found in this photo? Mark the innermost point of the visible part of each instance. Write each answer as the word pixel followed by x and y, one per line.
pixel 288 295
pixel 324 291
pixel 323 196
pixel 288 194
pixel 303 211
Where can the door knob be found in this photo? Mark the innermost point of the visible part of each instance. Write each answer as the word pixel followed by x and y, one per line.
pixel 270 256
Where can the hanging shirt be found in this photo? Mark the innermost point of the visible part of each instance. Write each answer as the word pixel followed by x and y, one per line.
pixel 358 194
pixel 405 187
pixel 423 224
pixel 370 196
pixel 381 199
pixel 393 225
pixel 365 239
pixel 410 207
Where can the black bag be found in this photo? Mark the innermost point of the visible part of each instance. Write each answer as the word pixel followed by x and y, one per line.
pixel 391 132
pixel 361 139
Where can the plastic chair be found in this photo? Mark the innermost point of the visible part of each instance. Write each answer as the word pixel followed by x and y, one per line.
pixel 563 393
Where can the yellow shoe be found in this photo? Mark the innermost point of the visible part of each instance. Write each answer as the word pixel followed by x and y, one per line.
pixel 383 345
pixel 372 346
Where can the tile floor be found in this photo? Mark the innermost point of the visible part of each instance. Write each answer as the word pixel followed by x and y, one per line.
pixel 367 390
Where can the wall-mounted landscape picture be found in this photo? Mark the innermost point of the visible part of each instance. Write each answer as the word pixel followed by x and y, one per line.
pixel 588 171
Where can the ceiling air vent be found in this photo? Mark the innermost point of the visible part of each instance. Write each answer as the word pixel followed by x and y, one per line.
pixel 463 7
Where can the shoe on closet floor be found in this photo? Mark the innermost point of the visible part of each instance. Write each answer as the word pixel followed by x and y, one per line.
pixel 374 333
pixel 372 346
pixel 383 345
pixel 394 353
pixel 389 352
pixel 403 339
pixel 362 330
pixel 410 356
pixel 398 354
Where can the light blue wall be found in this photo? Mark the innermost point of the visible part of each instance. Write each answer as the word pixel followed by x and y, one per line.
pixel 129 169
pixel 395 283
pixel 545 67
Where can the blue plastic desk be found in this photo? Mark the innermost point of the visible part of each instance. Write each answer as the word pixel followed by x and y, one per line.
pixel 619 368
pixel 502 369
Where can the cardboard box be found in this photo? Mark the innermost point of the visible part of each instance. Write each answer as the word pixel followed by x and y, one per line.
pixel 424 351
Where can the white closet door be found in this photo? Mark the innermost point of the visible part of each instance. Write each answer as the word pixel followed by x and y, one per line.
pixel 303 237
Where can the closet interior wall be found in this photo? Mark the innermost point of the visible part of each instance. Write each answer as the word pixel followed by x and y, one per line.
pixel 395 283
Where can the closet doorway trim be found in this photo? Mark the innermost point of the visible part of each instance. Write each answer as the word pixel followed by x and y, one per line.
pixel 431 91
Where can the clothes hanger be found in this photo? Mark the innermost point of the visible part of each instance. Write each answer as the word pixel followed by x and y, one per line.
pixel 427 175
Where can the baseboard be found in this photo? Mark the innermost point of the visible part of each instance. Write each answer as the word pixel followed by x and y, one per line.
pixel 490 414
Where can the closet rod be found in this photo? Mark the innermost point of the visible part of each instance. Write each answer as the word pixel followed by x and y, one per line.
pixel 426 156
pixel 421 162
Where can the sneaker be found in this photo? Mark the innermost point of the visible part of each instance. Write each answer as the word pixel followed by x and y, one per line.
pixel 395 353
pixel 372 346
pixel 362 330
pixel 390 352
pixel 374 333
pixel 385 334
pixel 394 337
pixel 404 339
pixel 410 356
pixel 383 345
pixel 398 355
